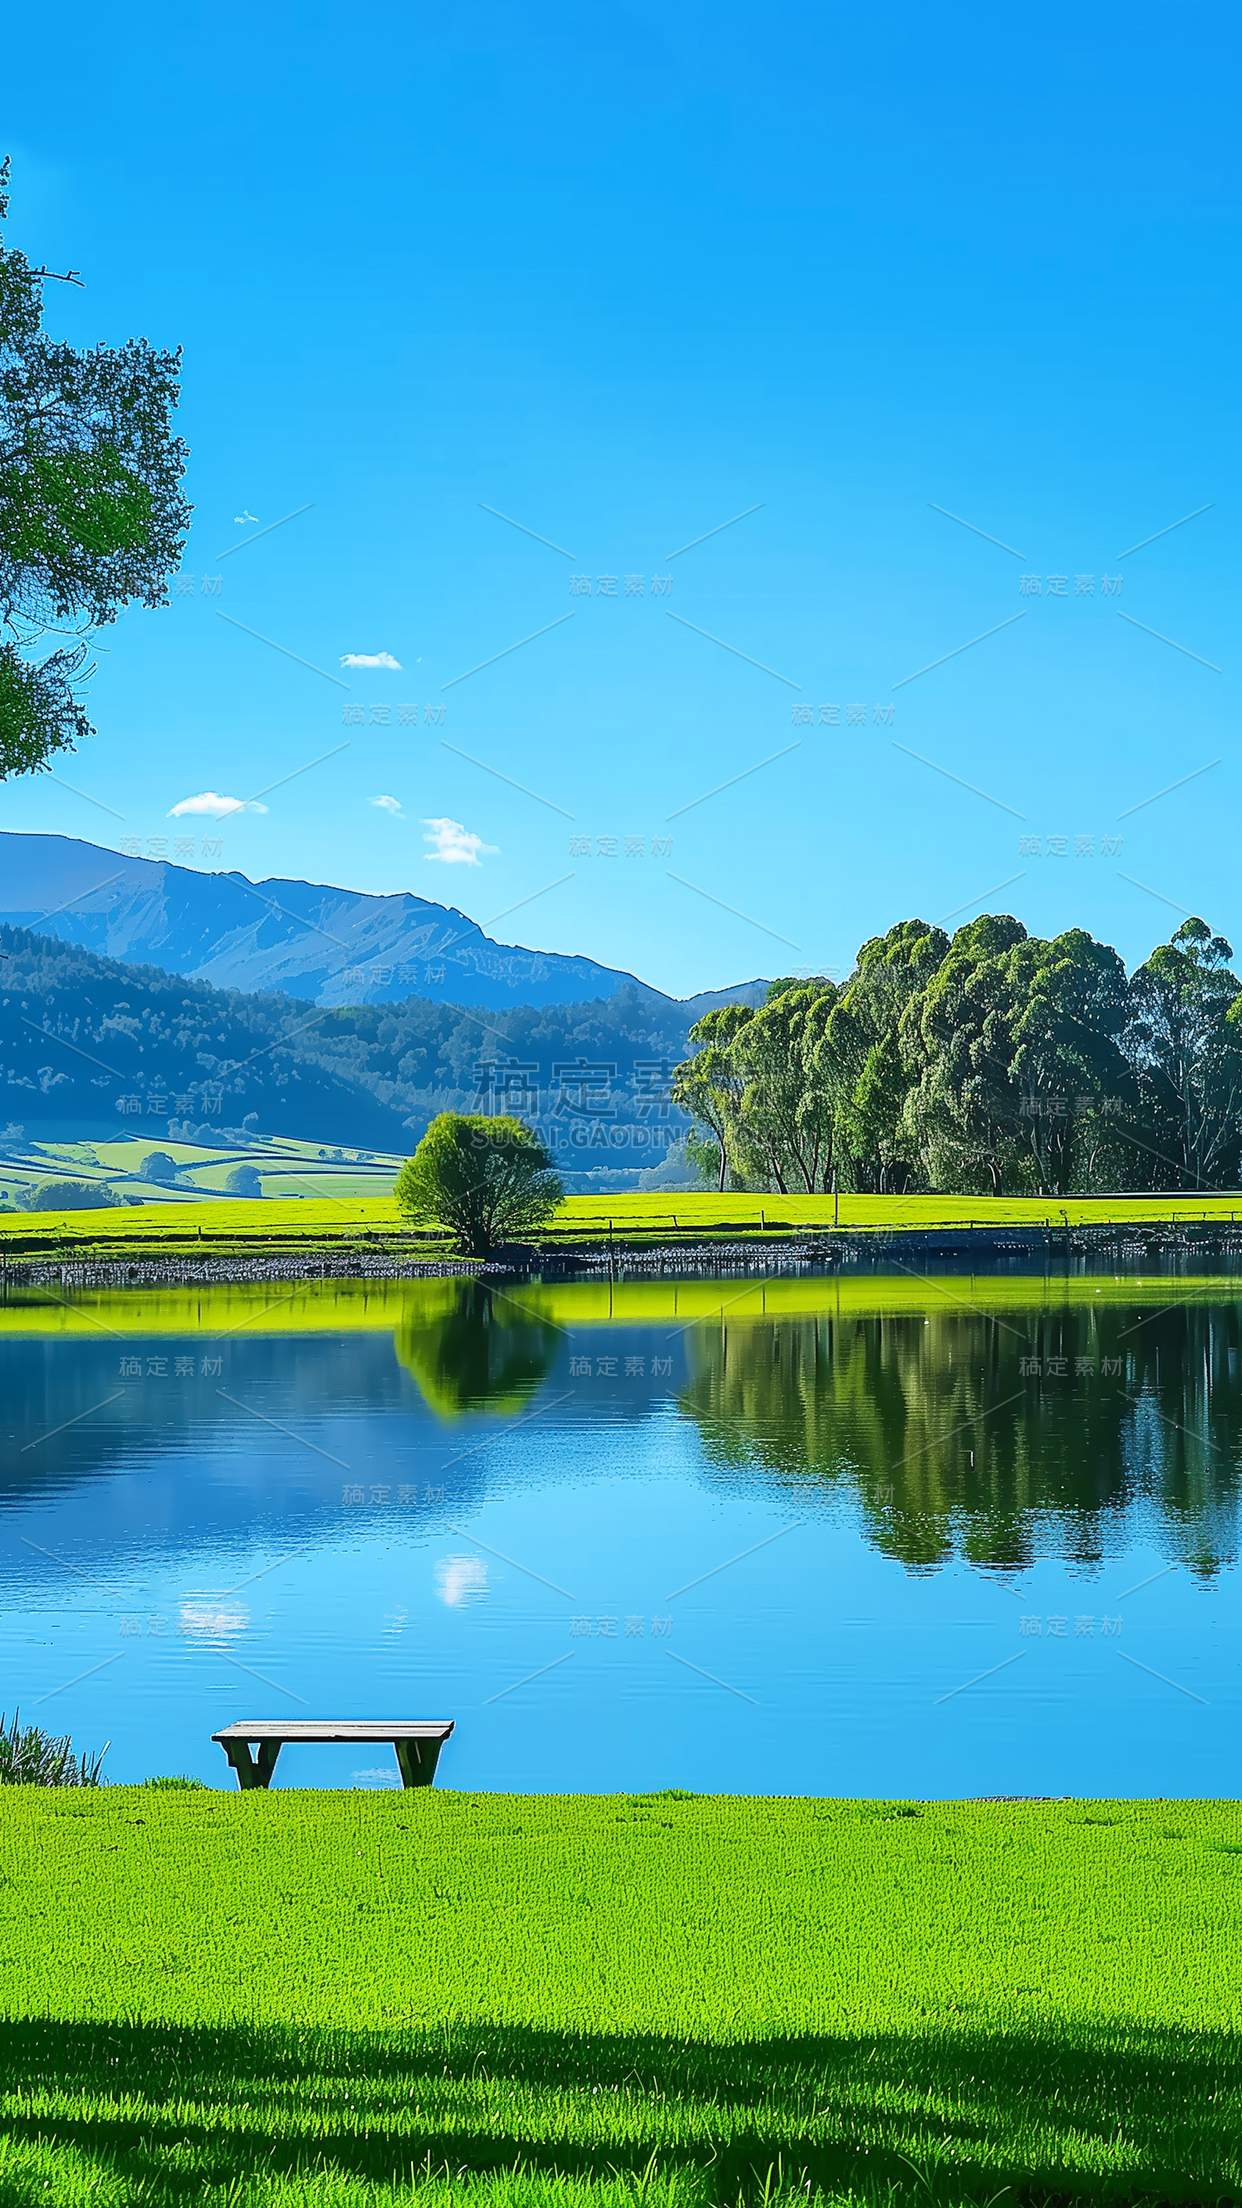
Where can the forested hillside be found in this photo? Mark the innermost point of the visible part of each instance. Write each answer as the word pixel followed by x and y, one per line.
pixel 88 1042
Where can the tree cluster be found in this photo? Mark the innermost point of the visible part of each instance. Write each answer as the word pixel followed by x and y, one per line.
pixel 992 1063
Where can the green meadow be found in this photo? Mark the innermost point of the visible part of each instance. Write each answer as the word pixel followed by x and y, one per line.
pixel 344 1997
pixel 287 1169
pixel 333 1210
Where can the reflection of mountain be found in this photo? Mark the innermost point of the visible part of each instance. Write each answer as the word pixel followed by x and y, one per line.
pixel 956 1450
pixel 472 1348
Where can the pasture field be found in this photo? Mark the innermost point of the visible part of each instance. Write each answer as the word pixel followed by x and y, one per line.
pixel 333 1209
pixel 287 1168
pixel 658 1214
pixel 169 1229
pixel 347 1997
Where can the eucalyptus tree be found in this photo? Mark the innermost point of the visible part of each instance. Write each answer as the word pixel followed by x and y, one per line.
pixel 1185 1044
pixel 961 1114
pixel 709 1084
pixel 1071 1006
pixel 861 1063
pixel 784 1123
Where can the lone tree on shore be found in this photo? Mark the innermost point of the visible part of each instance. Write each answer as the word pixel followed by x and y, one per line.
pixel 91 512
pixel 487 1180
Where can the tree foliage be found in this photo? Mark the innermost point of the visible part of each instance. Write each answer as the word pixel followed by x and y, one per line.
pixel 74 1196
pixel 1185 1038
pixel 710 1084
pixel 91 512
pixel 860 1063
pixel 995 1062
pixel 487 1180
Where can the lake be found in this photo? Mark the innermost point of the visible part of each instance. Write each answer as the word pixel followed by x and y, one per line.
pixel 877 1535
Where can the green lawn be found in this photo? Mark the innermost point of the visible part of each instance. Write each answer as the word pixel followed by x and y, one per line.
pixel 334 1207
pixel 332 1996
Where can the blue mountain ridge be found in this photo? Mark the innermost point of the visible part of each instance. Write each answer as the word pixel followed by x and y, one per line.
pixel 305 939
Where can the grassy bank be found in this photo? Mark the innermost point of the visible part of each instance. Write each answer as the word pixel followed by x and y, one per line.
pixel 290 1226
pixel 586 2000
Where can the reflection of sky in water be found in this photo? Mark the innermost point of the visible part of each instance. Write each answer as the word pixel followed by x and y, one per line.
pixel 832 1550
pixel 213 1624
pixel 458 1577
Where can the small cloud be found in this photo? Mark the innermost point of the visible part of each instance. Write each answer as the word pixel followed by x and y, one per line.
pixel 370 659
pixel 245 516
pixel 207 801
pixel 459 1576
pixel 454 844
pixel 388 805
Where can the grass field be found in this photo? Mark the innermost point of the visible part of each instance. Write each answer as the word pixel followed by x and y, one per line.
pixel 345 1997
pixel 653 1215
pixel 286 1168
pixel 320 1219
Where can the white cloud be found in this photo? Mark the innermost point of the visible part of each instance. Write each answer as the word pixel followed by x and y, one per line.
pixel 208 802
pixel 388 805
pixel 454 844
pixel 459 1576
pixel 370 659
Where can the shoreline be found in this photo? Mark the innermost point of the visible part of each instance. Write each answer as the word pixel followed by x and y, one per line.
pixel 769 1254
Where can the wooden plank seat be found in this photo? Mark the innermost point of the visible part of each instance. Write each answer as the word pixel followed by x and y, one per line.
pixel 417 1742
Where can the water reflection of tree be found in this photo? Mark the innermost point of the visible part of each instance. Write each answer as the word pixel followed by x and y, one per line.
pixel 472 1348
pixel 894 1407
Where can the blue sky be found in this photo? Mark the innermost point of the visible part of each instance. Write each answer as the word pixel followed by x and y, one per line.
pixel 621 275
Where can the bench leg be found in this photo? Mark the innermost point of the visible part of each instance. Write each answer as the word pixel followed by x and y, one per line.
pixel 417 1760
pixel 250 1773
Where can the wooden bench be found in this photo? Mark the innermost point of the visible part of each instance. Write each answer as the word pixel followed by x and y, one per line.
pixel 417 1742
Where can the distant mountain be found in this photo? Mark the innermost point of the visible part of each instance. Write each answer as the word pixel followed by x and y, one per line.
pixel 304 939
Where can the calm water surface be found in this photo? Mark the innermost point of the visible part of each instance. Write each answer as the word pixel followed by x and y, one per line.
pixel 883 1535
